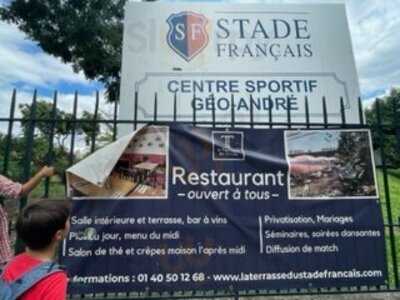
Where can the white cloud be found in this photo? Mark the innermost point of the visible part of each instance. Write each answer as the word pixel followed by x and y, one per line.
pixel 31 69
pixel 34 68
pixel 375 29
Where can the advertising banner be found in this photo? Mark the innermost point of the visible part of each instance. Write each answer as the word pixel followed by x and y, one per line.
pixel 176 207
pixel 229 57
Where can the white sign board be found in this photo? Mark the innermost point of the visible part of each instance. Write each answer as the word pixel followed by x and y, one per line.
pixel 237 57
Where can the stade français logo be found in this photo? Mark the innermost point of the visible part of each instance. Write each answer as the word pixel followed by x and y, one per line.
pixel 187 34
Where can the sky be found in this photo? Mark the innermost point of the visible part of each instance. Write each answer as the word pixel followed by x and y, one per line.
pixel 374 26
pixel 313 141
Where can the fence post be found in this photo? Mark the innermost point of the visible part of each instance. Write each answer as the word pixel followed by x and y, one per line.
pixel 73 130
pixel 270 115
pixel 175 107
pixel 251 111
pixel 95 123
pixel 232 110
pixel 28 158
pixel 342 112
pixel 213 118
pixel 115 123
pixel 307 108
pixel 8 142
pixel 325 112
pixel 136 110
pixel 155 115
pixel 396 121
pixel 289 115
pixel 194 110
pixel 360 111
pixel 50 153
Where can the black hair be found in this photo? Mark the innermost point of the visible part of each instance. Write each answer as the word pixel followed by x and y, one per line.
pixel 38 222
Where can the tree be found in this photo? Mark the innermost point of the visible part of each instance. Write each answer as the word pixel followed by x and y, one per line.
pixel 356 174
pixel 61 128
pixel 87 34
pixel 389 108
pixel 62 125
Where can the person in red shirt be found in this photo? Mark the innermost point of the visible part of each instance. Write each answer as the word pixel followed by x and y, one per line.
pixel 41 226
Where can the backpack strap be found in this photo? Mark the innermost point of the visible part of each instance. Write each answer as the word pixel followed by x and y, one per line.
pixel 3 267
pixel 29 279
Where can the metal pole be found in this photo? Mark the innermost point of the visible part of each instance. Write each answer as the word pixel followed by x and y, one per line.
pixel 95 117
pixel 9 133
pixel 50 153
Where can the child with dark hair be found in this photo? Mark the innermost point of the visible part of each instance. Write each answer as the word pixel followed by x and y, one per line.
pixel 41 226
pixel 14 190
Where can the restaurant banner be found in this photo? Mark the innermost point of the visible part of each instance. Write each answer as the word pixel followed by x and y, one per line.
pixel 176 207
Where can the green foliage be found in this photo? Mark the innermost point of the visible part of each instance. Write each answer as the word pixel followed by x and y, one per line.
pixel 389 108
pixel 356 174
pixel 62 125
pixel 394 192
pixel 44 110
pixel 51 131
pixel 90 129
pixel 87 34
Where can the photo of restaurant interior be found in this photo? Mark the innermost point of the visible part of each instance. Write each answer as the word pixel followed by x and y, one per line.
pixel 143 164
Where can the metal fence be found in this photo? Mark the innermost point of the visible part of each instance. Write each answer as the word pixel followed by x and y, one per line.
pixel 382 129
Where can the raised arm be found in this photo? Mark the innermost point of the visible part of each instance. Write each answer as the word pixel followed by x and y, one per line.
pixel 35 180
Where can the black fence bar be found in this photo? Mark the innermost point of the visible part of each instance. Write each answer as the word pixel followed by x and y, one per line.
pixel 307 111
pixel 95 118
pixel 73 130
pixel 342 112
pixel 8 142
pixel 396 112
pixel 155 115
pixel 115 127
pixel 231 295
pixel 175 107
pixel 213 117
pixel 251 112
pixel 289 114
pixel 360 111
pixel 233 111
pixel 270 118
pixel 325 112
pixel 387 127
pixel 29 145
pixel 135 117
pixel 29 142
pixel 50 152
pixel 9 133
pixel 194 112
